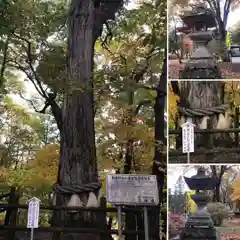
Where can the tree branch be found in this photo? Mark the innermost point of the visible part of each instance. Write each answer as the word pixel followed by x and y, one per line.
pixel 105 11
pixel 49 99
pixel 141 104
pixel 5 51
pixel 29 101
pixel 31 78
pixel 108 37
pixel 55 109
pixel 213 5
pixel 57 113
pixel 226 9
pixel 138 75
pixel 30 64
pixel 175 88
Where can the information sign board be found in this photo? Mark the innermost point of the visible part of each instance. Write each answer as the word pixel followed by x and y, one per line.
pixel 132 189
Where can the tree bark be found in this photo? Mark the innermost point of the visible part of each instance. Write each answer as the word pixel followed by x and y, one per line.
pixel 4 61
pixel 218 174
pixel 222 31
pixel 204 94
pixel 160 156
pixel 77 144
pixel 78 137
pixel 200 94
pixel 130 216
pixel 128 162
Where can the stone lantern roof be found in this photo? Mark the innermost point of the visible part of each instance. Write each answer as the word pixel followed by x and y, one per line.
pixel 201 181
pixel 199 17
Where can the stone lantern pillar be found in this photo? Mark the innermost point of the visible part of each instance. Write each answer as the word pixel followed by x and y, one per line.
pixel 199 224
pixel 202 64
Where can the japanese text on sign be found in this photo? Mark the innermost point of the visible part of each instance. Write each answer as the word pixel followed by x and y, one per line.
pixel 188 138
pixel 33 213
pixel 127 189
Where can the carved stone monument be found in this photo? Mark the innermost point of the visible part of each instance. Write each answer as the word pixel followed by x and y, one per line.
pixel 199 224
pixel 202 64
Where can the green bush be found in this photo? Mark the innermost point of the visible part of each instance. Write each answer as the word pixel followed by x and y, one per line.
pixel 218 212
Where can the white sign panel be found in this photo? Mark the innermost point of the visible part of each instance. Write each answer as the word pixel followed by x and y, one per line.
pixel 131 189
pixel 188 137
pixel 33 212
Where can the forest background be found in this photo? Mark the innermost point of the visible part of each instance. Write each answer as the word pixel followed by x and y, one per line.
pixel 129 62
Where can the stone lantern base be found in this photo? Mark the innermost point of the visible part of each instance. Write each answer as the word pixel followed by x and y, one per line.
pixel 204 68
pixel 195 71
pixel 195 233
pixel 202 64
pixel 199 224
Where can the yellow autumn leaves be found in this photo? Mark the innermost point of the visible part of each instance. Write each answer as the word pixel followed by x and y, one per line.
pixel 40 172
pixel 235 196
pixel 172 107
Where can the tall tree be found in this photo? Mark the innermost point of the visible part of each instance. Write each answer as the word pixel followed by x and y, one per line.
pixel 159 163
pixel 218 172
pixel 40 58
pixel 77 145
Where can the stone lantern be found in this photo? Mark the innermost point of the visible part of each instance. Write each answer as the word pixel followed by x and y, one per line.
pixel 199 224
pixel 202 64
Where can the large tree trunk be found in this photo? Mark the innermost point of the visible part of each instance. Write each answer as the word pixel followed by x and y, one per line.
pixel 77 146
pixel 78 137
pixel 159 165
pixel 130 216
pixel 218 172
pixel 222 32
pixel 201 95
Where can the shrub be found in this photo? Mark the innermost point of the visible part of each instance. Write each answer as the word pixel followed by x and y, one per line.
pixel 218 212
pixel 176 223
pixel 172 229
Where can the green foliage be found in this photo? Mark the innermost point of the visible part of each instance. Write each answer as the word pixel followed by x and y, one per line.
pixel 29 150
pixel 52 67
pixel 37 23
pixel 37 176
pixel 140 37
